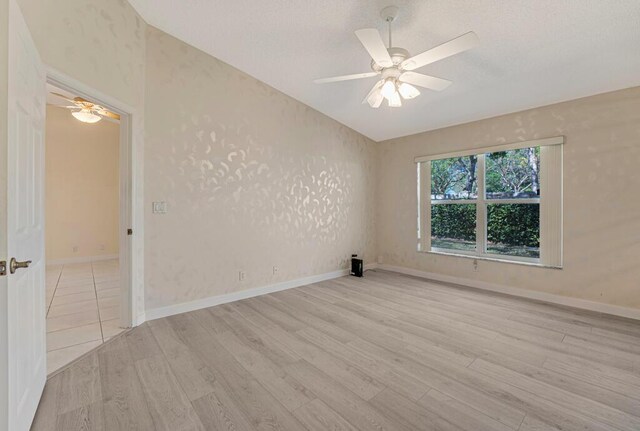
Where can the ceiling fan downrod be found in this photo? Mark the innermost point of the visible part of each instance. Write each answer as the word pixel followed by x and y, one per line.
pixel 389 14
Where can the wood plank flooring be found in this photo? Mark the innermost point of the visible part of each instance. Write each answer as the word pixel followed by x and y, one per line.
pixel 387 352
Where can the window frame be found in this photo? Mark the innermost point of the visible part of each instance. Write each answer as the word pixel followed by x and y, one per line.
pixel 549 201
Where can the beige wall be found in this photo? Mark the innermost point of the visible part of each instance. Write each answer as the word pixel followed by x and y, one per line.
pixel 82 181
pixel 601 205
pixel 253 179
pixel 98 42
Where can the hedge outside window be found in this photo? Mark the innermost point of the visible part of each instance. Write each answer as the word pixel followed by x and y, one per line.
pixel 502 203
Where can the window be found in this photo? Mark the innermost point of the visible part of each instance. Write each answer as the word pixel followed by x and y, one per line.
pixel 502 203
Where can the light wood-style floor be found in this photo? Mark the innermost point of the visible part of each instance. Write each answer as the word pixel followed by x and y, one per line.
pixel 384 352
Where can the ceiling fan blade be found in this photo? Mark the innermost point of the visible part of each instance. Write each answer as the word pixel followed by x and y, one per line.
pixel 345 77
pixel 63 97
pixel 372 42
pixel 447 49
pixel 86 104
pixel 426 81
pixel 109 114
pixel 374 97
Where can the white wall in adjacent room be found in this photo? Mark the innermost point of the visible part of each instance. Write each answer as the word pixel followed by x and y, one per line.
pixel 82 180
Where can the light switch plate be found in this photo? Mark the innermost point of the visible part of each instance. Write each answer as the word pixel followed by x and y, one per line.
pixel 159 207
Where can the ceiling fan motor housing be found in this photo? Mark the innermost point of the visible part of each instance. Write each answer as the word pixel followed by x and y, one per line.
pixel 391 72
pixel 398 55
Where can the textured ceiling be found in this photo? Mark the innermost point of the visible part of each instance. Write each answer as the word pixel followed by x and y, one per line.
pixel 531 53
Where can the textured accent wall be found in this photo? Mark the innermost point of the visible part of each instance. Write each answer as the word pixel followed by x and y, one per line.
pixel 82 196
pixel 253 179
pixel 601 205
pixel 99 42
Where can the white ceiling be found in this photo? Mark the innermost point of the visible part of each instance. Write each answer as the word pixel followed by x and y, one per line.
pixel 532 52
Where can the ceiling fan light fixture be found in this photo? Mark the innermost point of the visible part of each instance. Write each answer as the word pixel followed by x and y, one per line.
pixel 395 65
pixel 86 116
pixel 389 89
pixel 375 98
pixel 408 91
pixel 394 100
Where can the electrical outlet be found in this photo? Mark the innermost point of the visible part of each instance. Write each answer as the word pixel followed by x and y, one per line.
pixel 241 276
pixel 101 247
pixel 75 249
pixel 475 265
pixel 275 270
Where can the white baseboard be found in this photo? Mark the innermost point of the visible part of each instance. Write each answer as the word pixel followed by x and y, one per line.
pixel 211 301
pixel 82 259
pixel 139 320
pixel 616 310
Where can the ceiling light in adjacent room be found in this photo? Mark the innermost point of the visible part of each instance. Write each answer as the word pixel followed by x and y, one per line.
pixel 86 116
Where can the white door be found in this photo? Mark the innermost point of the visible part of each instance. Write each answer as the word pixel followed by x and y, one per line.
pixel 22 307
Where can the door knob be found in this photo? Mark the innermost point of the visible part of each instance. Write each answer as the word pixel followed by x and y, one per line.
pixel 14 264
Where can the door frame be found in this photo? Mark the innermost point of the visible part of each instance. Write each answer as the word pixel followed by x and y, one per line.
pixel 130 253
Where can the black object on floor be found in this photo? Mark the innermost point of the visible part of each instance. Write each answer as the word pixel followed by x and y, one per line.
pixel 357 266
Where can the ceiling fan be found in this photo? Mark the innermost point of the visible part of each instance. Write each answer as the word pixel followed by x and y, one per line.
pixel 87 112
pixel 396 67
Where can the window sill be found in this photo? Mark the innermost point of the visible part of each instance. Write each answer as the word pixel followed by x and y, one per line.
pixel 490 258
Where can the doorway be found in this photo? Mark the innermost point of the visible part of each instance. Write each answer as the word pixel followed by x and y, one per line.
pixel 86 212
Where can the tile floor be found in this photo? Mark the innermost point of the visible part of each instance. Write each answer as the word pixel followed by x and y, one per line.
pixel 83 306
